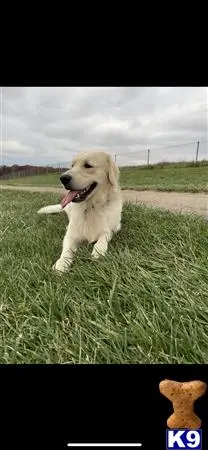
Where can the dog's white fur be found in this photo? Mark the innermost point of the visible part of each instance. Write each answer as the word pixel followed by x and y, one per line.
pixel 97 217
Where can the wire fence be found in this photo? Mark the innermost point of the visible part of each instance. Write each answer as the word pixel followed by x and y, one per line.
pixel 194 151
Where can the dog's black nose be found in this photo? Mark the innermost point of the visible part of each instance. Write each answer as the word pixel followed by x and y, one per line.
pixel 65 179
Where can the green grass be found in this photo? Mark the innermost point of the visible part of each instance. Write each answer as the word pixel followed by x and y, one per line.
pixel 145 302
pixel 167 178
pixel 163 177
pixel 50 179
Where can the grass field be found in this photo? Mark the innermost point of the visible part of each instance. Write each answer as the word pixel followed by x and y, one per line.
pixel 146 302
pixel 170 177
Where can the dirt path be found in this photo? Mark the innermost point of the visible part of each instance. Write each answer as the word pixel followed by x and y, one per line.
pixel 174 201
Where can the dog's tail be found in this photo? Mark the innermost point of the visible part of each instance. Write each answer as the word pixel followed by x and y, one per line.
pixel 51 209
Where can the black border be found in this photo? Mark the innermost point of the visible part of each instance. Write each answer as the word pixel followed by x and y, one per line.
pixel 145 46
pixel 137 59
pixel 47 406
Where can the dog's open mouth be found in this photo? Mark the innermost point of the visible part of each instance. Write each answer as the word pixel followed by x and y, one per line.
pixel 78 196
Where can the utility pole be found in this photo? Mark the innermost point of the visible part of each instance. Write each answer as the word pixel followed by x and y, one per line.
pixel 148 156
pixel 197 151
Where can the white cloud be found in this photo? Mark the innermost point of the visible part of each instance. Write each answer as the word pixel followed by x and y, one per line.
pixel 14 148
pixel 44 125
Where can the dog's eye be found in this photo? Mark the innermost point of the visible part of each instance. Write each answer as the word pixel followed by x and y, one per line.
pixel 87 166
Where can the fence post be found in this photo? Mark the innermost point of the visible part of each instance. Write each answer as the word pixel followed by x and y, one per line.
pixel 148 156
pixel 115 158
pixel 197 151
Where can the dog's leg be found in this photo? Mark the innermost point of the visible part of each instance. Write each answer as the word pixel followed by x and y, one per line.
pixel 70 246
pixel 101 246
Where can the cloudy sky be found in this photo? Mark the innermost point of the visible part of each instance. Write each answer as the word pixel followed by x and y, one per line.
pixel 49 125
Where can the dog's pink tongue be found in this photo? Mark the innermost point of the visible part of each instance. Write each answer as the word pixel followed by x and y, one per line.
pixel 68 198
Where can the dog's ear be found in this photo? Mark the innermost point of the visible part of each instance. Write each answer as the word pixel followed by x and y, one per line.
pixel 113 172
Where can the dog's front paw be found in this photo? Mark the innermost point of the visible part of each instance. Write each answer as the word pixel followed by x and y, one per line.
pixel 97 252
pixel 60 266
pixel 118 227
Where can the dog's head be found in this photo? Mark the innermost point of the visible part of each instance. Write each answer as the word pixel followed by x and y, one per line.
pixel 90 173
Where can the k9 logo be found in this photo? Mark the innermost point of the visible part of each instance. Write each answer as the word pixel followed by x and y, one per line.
pixel 185 439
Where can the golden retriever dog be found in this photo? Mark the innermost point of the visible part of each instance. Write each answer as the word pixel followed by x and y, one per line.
pixel 93 205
